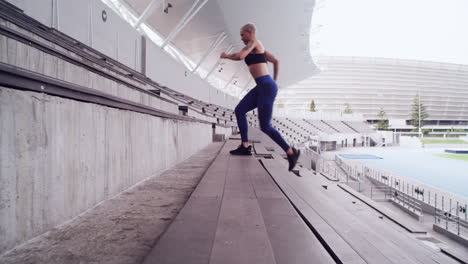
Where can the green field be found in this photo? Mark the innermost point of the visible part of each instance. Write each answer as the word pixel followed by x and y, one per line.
pixel 443 141
pixel 454 156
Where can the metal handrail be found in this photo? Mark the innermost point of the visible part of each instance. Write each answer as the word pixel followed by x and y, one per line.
pixel 411 202
pixel 449 218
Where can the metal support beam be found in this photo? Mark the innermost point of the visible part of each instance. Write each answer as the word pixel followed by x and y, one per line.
pixel 213 46
pixel 186 15
pixel 148 11
pixel 55 16
pixel 228 50
pixel 184 21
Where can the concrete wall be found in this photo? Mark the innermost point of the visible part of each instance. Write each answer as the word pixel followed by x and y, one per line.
pixel 347 139
pixel 452 235
pixel 226 131
pixel 310 160
pixel 41 10
pixel 59 157
pixel 82 20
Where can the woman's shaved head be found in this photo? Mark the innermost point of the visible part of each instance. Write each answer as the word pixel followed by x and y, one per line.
pixel 249 28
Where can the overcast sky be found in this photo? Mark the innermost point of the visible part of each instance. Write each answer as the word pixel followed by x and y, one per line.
pixel 431 30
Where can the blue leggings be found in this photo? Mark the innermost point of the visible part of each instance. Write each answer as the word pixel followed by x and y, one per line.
pixel 261 97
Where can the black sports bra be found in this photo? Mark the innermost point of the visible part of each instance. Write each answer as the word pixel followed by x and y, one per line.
pixel 254 58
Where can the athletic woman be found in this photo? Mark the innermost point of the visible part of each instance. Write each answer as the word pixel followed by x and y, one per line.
pixel 260 97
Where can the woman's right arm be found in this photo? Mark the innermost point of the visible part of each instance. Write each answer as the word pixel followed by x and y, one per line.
pixel 275 62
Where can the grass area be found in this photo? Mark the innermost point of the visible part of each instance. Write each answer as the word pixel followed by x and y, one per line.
pixel 454 156
pixel 444 141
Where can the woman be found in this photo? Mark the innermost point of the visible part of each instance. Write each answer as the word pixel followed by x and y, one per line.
pixel 262 96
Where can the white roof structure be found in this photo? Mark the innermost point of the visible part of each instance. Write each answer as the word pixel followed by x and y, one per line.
pixel 283 27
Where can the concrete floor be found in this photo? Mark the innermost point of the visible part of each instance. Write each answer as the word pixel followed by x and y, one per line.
pixel 124 228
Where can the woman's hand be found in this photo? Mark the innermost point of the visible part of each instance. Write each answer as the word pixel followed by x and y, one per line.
pixel 224 55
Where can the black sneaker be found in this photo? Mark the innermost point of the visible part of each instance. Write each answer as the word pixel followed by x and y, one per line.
pixel 241 150
pixel 292 159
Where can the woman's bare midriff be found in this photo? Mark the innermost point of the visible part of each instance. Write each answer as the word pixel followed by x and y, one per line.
pixel 258 70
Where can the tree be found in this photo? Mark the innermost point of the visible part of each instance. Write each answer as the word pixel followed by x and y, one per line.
pixel 312 106
pixel 383 121
pixel 348 109
pixel 418 112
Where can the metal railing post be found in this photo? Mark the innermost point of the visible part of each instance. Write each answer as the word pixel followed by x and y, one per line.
pixel 435 209
pixel 446 220
pixel 450 205
pixel 458 220
pixel 466 212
